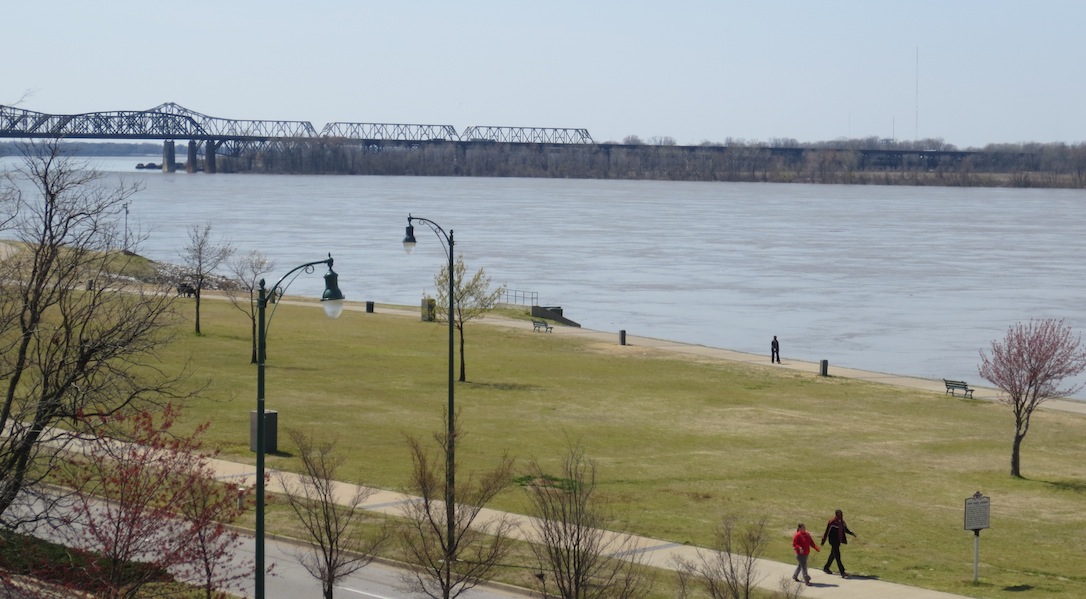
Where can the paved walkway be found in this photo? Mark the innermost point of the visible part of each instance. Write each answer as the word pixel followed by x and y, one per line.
pixel 663 554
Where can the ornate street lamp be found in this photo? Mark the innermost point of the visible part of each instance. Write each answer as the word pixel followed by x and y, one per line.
pixel 450 455
pixel 332 302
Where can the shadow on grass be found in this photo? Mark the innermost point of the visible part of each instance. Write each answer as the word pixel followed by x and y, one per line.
pixel 1018 588
pixel 1075 486
pixel 506 386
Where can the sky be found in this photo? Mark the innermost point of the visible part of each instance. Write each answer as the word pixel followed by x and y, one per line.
pixel 969 72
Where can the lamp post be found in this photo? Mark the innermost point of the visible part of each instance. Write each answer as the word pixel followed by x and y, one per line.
pixel 332 301
pixel 450 453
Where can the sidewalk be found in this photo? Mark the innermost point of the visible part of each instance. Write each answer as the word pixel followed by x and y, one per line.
pixel 657 553
pixel 663 554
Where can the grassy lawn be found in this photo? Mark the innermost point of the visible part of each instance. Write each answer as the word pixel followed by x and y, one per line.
pixel 680 441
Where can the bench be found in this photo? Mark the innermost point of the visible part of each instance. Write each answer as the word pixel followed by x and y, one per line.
pixel 187 290
pixel 952 387
pixel 541 325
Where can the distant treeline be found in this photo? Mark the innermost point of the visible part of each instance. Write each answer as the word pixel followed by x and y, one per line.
pixel 858 161
pixel 80 148
pixel 1026 165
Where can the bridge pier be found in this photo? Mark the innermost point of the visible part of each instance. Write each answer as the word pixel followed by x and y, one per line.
pixel 209 156
pixel 191 165
pixel 168 157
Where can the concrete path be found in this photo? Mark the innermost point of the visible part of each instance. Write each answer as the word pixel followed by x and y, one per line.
pixel 663 554
pixel 655 553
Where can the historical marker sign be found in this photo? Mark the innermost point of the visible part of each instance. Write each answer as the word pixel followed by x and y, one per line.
pixel 976 512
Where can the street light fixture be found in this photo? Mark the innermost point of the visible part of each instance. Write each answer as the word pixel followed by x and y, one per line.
pixel 332 302
pixel 450 454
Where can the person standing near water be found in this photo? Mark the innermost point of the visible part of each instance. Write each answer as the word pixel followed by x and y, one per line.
pixel 775 351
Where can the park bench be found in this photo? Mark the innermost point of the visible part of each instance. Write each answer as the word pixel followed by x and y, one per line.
pixel 187 290
pixel 952 387
pixel 541 325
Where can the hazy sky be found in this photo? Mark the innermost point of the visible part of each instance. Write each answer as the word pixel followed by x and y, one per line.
pixel 970 72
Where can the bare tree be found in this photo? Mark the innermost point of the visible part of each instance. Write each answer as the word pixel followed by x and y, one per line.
pixel 571 541
pixel 202 256
pixel 473 298
pixel 444 566
pixel 247 270
pixel 1028 365
pixel 341 546
pixel 153 500
pixel 77 343
pixel 729 570
pixel 211 508
pixel 790 589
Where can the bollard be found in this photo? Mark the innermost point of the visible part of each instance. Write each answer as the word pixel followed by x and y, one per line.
pixel 369 307
pixel 622 337
pixel 824 368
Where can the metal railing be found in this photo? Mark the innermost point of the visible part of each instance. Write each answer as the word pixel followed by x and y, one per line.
pixel 518 297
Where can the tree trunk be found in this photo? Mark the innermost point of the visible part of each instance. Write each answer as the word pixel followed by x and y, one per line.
pixel 1015 453
pixel 197 310
pixel 463 371
pixel 252 360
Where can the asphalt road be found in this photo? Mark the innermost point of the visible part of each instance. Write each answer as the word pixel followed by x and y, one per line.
pixel 289 580
pixel 376 581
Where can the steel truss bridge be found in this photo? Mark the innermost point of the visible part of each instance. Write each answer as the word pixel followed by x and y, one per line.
pixel 232 137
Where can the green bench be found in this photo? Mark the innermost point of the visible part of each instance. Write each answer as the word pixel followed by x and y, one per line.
pixel 952 388
pixel 541 325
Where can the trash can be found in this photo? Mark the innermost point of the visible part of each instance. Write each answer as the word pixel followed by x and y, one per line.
pixel 824 368
pixel 622 337
pixel 271 431
pixel 369 307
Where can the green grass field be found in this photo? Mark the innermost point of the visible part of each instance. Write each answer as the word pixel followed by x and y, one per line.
pixel 679 441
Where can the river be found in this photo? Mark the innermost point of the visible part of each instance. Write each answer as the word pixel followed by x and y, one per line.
pixel 905 280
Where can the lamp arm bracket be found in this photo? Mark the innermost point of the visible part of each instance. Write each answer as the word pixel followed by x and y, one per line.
pixel 442 236
pixel 278 289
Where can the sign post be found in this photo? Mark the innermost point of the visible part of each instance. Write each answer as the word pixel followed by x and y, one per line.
pixel 977 509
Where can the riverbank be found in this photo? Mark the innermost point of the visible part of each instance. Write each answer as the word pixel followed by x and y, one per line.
pixel 683 442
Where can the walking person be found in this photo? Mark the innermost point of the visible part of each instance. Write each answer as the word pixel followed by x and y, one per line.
pixel 775 351
pixel 836 533
pixel 802 543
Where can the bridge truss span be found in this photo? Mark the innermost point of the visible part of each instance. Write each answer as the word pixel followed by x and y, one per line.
pixel 120 124
pixel 167 121
pixel 543 135
pixel 389 131
pixel 256 130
